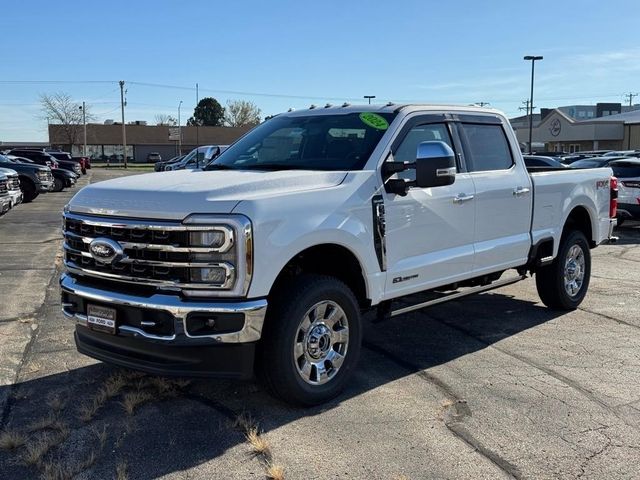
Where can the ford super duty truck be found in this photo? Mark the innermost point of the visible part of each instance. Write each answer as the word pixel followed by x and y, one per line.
pixel 266 259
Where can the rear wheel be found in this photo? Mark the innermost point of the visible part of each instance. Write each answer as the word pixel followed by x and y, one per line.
pixel 564 283
pixel 311 341
pixel 29 192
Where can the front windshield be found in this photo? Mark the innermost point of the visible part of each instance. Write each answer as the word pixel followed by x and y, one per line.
pixel 310 142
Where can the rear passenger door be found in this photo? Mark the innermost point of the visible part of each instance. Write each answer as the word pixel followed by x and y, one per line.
pixel 503 195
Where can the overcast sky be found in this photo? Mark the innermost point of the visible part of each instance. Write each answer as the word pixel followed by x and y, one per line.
pixel 282 54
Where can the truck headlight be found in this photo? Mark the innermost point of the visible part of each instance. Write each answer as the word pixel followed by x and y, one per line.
pixel 224 246
pixel 220 239
pixel 221 275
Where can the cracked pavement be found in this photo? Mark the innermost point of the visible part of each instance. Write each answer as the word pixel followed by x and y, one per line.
pixel 491 386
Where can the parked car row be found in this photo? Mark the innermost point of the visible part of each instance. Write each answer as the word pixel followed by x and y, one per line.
pixel 24 178
pixel 196 158
pixel 624 163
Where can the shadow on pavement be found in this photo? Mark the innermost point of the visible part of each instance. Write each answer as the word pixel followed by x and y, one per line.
pixel 178 426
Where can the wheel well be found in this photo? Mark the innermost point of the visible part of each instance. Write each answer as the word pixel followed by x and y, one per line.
pixel 579 219
pixel 24 180
pixel 328 259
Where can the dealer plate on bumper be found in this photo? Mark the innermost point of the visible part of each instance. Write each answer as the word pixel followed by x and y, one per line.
pixel 102 319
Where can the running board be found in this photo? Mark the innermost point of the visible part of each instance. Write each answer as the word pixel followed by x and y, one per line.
pixel 453 296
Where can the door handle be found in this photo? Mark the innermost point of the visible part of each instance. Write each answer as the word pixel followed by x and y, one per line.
pixel 462 197
pixel 520 191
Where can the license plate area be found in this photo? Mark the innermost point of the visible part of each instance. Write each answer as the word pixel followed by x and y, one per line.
pixel 102 319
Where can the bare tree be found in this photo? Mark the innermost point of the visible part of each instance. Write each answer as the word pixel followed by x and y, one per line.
pixel 165 119
pixel 241 112
pixel 59 108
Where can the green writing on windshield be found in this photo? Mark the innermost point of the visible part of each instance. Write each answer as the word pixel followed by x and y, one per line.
pixel 374 120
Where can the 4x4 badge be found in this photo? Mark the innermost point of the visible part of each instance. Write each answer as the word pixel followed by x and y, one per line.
pixel 105 250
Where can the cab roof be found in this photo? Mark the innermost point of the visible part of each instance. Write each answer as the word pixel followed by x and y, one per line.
pixel 345 108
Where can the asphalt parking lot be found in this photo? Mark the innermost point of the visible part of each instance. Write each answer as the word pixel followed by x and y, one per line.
pixel 492 386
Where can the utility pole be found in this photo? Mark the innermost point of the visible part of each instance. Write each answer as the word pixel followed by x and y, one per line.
pixel 482 104
pixel 197 127
pixel 84 125
pixel 526 107
pixel 369 97
pixel 630 97
pixel 179 130
pixel 124 128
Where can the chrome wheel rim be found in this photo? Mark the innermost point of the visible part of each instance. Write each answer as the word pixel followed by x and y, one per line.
pixel 321 343
pixel 574 270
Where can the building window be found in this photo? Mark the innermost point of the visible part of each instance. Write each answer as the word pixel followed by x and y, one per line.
pixel 574 148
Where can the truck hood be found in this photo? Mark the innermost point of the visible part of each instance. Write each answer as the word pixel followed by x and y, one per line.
pixel 175 195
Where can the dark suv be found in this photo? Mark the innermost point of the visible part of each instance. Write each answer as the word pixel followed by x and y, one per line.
pixel 41 157
pixel 66 157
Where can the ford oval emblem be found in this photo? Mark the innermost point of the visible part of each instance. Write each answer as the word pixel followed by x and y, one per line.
pixel 105 250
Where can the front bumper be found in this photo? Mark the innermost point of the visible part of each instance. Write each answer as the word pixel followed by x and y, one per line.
pixel 16 197
pixel 5 204
pixel 169 346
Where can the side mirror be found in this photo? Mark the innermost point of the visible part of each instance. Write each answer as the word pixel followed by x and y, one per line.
pixel 435 165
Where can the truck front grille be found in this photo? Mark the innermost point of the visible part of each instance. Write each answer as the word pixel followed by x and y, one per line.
pixel 154 253
pixel 3 187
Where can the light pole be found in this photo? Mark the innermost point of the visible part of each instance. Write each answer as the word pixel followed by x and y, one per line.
pixel 84 125
pixel 533 59
pixel 179 130
pixel 369 97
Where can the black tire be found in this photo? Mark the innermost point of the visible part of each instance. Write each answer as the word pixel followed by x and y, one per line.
pixel 58 185
pixel 550 280
pixel 29 192
pixel 277 365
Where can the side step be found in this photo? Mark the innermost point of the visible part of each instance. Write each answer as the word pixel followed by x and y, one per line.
pixel 457 294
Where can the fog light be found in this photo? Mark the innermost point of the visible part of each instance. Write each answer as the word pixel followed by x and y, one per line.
pixel 211 238
pixel 214 275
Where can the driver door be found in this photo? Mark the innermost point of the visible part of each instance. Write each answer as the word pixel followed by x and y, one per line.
pixel 430 231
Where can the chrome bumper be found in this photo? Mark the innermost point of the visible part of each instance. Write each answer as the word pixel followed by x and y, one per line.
pixel 16 197
pixel 253 310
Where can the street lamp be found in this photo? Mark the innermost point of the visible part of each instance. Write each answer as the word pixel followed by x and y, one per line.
pixel 533 59
pixel 369 97
pixel 179 130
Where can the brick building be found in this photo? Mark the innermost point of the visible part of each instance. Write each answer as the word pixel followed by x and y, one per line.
pixel 104 142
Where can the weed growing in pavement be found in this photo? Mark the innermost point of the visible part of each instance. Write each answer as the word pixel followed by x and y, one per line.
pixel 11 439
pixel 259 445
pixel 122 470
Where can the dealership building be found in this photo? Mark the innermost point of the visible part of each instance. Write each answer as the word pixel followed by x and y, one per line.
pixel 555 130
pixel 104 141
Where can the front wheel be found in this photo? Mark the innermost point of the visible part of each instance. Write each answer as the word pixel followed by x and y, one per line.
pixel 564 283
pixel 58 185
pixel 311 341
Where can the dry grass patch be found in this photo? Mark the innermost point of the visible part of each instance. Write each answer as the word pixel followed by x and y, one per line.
pixel 122 470
pixel 57 470
pixel 50 422
pixel 132 400
pixel 258 443
pixel 56 403
pixel 11 439
pixel 36 448
pixel 274 471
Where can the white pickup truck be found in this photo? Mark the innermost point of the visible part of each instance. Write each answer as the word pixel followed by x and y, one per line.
pixel 269 257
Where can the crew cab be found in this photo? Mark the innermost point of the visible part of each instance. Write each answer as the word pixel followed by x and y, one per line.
pixel 267 259
pixel 34 179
